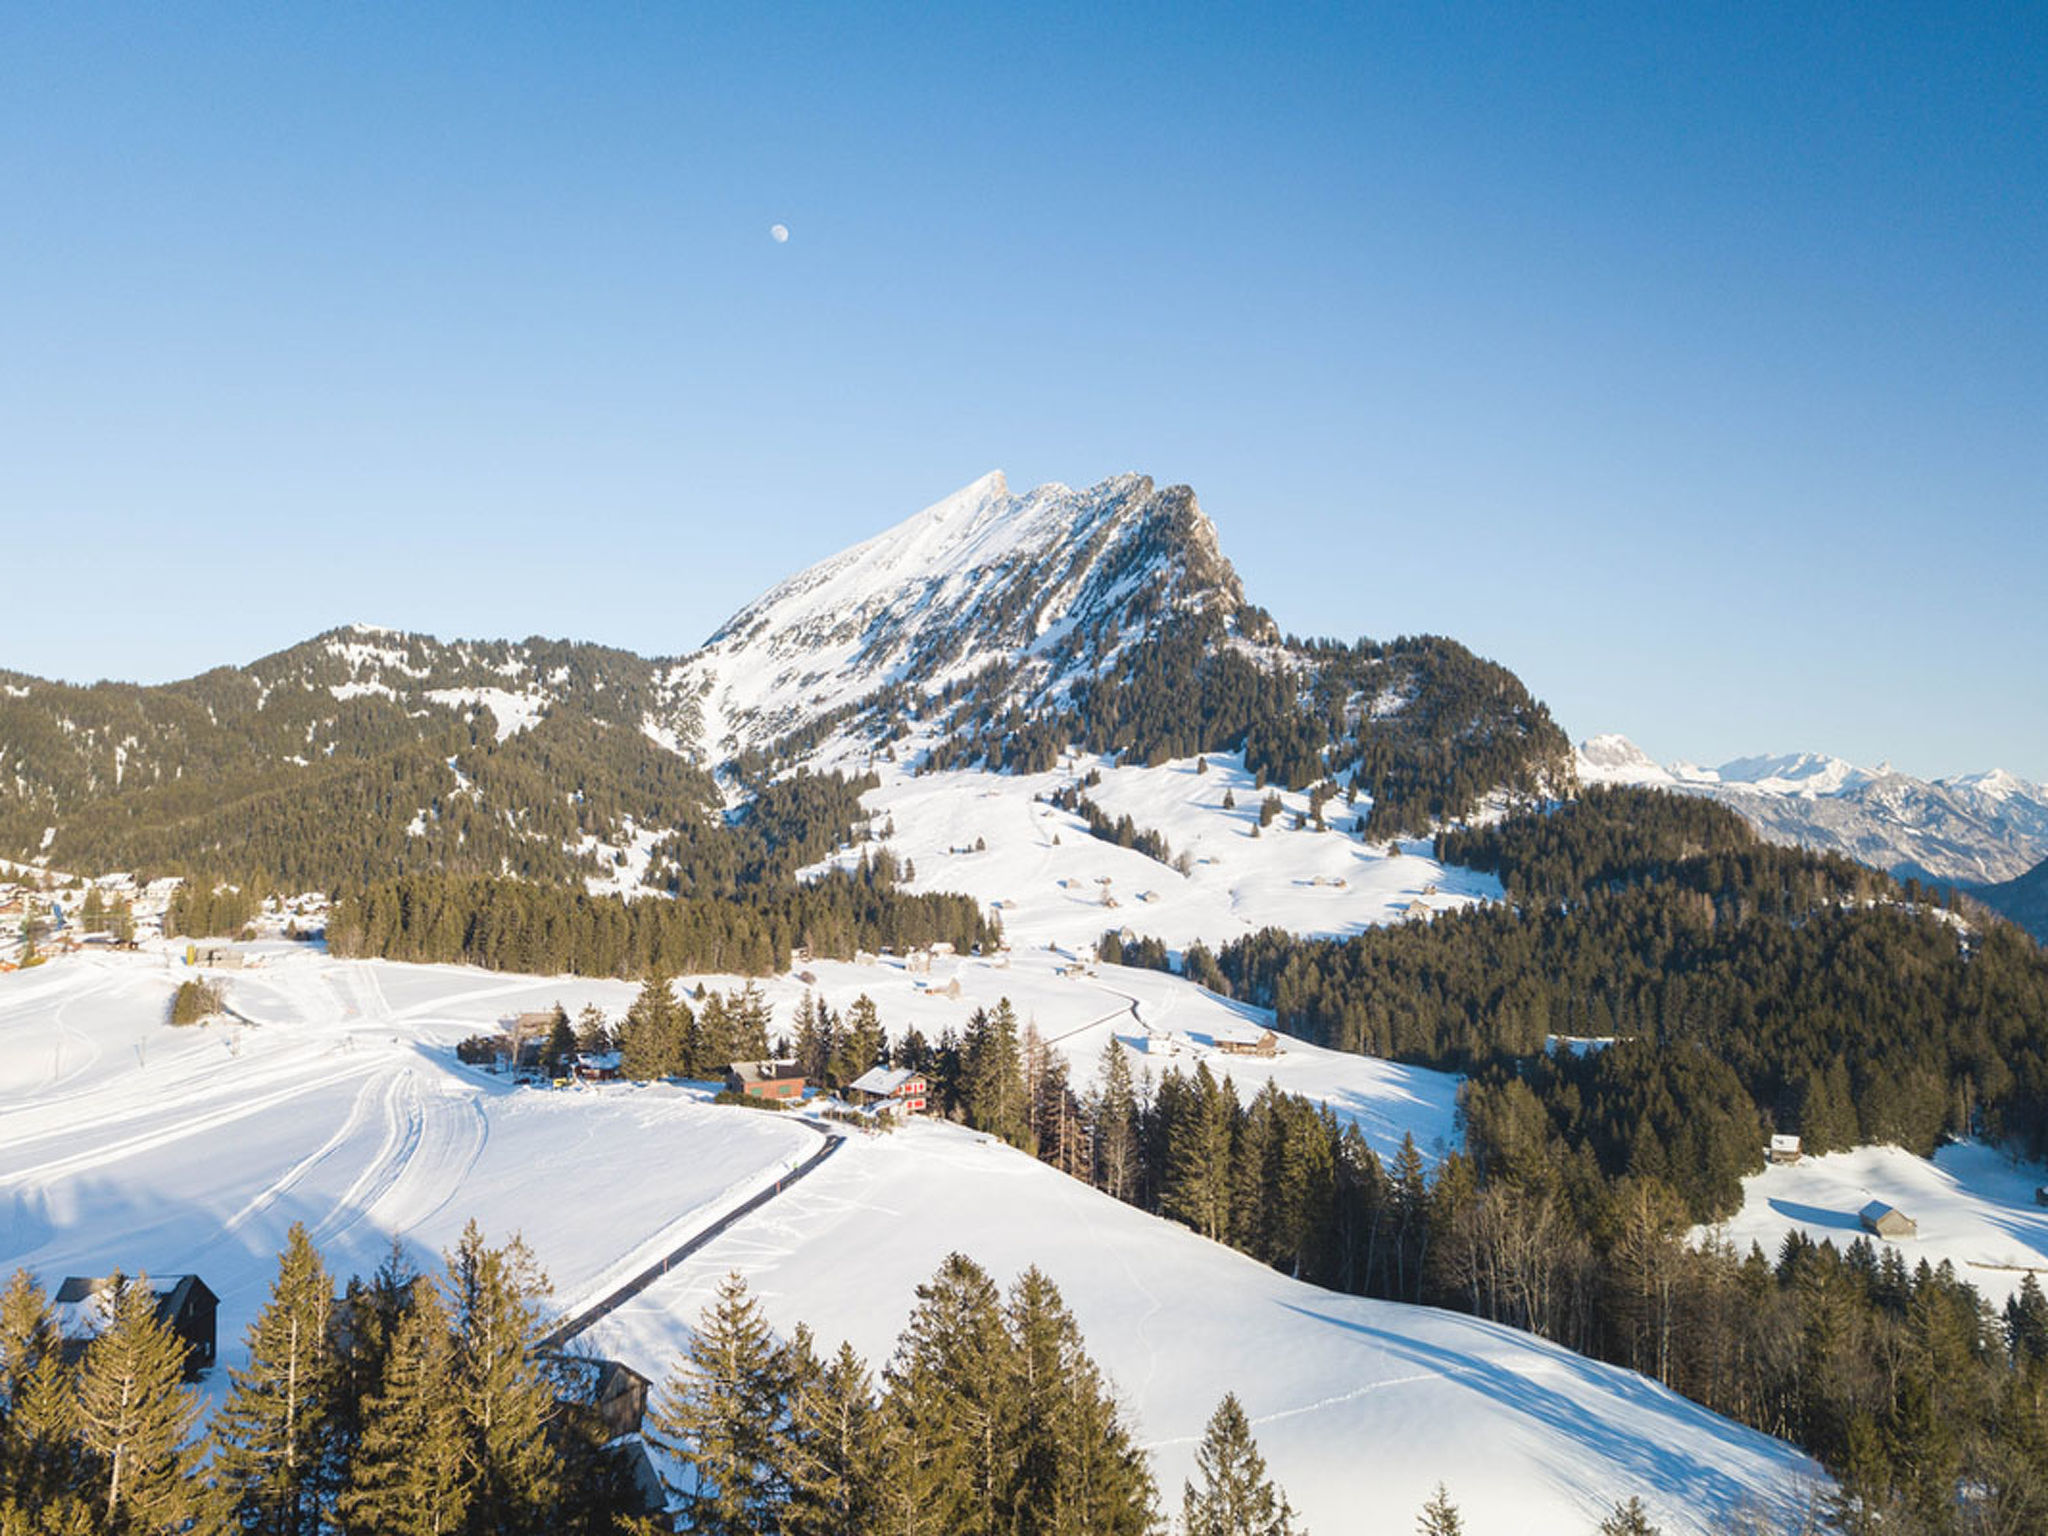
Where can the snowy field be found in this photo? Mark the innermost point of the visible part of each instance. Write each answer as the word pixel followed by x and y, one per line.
pixel 1048 878
pixel 1360 1406
pixel 1975 1207
pixel 126 1143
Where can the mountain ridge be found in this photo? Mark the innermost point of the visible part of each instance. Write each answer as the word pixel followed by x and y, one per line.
pixel 992 628
pixel 1971 829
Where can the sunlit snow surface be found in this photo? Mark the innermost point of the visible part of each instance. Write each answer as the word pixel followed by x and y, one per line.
pixel 1975 1208
pixel 1360 1406
pixel 1048 872
pixel 126 1143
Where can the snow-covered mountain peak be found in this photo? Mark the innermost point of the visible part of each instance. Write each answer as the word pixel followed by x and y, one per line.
pixel 1614 759
pixel 1051 579
pixel 1795 773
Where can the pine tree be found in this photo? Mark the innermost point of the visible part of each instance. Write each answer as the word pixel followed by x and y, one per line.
pixel 38 1426
pixel 1440 1516
pixel 1074 1468
pixel 1116 1124
pixel 560 1049
pixel 650 1041
pixel 136 1417
pixel 993 1072
pixel 723 1409
pixel 862 1042
pixel 276 1431
pixel 593 1033
pixel 505 1400
pixel 1236 1498
pixel 1629 1519
pixel 947 1411
pixel 409 1474
pixel 826 1455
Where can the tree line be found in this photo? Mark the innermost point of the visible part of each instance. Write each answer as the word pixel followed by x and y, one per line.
pixel 506 924
pixel 426 1405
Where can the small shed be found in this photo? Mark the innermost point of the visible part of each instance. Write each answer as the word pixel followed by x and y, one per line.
pixel 1783 1149
pixel 1883 1220
pixel 597 1066
pixel 608 1394
pixel 184 1304
pixel 780 1081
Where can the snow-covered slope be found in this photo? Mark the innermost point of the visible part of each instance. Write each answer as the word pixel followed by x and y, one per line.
pixel 1360 1407
pixel 126 1142
pixel 1974 829
pixel 1048 580
pixel 1974 1205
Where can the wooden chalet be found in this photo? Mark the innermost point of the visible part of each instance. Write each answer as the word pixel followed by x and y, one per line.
pixel 184 1304
pixel 1783 1149
pixel 1246 1042
pixel 1883 1220
pixel 891 1090
pixel 781 1081
pixel 596 1066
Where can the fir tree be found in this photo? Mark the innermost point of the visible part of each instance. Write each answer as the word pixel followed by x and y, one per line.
pixel 135 1418
pixel 862 1043
pixel 1116 1124
pixel 1440 1516
pixel 593 1033
pixel 650 1042
pixel 993 1072
pixel 826 1452
pixel 505 1400
pixel 276 1431
pixel 1629 1519
pixel 948 1409
pixel 1075 1470
pixel 1235 1498
pixel 38 1422
pixel 409 1475
pixel 723 1409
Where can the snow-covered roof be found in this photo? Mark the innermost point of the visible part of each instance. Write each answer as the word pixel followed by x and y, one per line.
pixel 882 1080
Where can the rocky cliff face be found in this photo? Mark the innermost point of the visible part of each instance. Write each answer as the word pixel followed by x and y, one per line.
pixel 1052 582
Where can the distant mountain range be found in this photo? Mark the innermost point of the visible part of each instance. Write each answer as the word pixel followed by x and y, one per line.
pixel 1987 832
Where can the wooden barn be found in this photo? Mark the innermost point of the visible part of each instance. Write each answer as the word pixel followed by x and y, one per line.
pixel 1783 1149
pixel 609 1394
pixel 1883 1220
pixel 782 1081
pixel 183 1303
pixel 1246 1042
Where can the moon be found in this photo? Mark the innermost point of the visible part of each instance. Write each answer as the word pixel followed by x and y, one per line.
pixel 779 233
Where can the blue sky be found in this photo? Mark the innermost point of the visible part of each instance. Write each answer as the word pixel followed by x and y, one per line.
pixel 1691 361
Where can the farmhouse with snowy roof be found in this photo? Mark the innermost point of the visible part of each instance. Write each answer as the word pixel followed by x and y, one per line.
pixel 184 1304
pixel 890 1090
